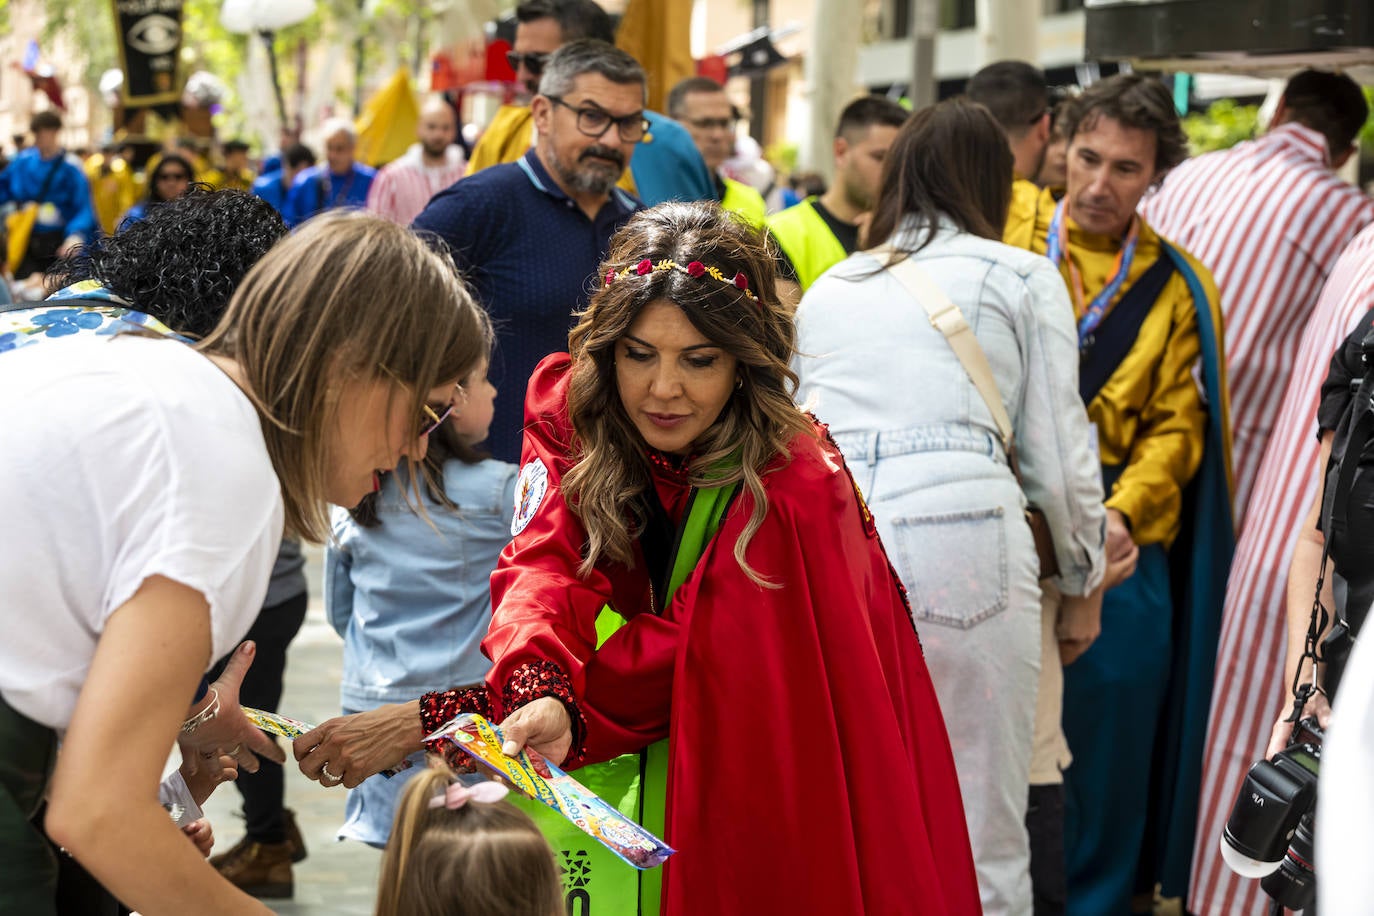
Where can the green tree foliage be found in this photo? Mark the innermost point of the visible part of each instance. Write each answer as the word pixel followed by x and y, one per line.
pixel 1222 126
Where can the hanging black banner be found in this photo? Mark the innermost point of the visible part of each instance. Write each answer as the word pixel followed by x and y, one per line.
pixel 149 50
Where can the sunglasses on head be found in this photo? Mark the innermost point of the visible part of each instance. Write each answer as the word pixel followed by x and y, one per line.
pixel 534 61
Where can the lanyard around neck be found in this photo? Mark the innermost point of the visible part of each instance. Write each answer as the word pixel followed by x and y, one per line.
pixel 1057 249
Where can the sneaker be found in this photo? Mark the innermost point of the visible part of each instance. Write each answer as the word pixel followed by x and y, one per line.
pixel 293 836
pixel 260 869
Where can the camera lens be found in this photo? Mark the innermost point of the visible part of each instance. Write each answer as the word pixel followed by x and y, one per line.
pixel 1294 885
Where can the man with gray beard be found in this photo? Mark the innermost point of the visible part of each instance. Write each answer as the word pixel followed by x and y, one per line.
pixel 529 235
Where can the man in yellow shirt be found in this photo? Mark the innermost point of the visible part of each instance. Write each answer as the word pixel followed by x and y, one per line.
pixel 1016 94
pixel 1152 377
pixel 700 104
pixel 820 232
pixel 236 175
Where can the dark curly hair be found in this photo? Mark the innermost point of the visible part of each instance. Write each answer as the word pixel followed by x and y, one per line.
pixel 183 261
pixel 1134 100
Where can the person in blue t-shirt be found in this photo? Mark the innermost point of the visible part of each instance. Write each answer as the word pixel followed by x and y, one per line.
pixel 339 181
pixel 409 594
pixel 273 186
pixel 46 175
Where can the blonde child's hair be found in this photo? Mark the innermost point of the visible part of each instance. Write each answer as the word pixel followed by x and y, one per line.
pixel 483 859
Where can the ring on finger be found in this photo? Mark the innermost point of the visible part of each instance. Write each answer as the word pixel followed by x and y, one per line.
pixel 234 751
pixel 325 774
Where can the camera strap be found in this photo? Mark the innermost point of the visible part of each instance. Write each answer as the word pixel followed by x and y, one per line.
pixel 1335 513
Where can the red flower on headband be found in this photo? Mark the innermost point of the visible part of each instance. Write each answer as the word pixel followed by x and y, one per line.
pixel 643 267
pixel 741 282
pixel 696 269
pixel 610 277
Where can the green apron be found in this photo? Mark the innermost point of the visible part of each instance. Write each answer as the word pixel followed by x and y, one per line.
pixel 597 882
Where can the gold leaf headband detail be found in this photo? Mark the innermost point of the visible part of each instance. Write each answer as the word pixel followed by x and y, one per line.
pixel 695 269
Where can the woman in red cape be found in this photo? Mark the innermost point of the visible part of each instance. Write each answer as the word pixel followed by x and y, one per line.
pixel 809 770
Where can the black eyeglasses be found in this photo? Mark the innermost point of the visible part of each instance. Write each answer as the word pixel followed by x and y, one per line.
pixel 592 122
pixel 534 62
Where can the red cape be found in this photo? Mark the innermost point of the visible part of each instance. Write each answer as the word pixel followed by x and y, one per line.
pixel 809 770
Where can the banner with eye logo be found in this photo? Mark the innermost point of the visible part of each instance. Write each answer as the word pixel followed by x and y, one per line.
pixel 149 50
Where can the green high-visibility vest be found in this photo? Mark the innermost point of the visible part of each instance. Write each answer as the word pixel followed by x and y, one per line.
pixel 744 201
pixel 807 241
pixel 596 882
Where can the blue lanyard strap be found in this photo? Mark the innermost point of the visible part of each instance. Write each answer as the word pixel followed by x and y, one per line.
pixel 1056 250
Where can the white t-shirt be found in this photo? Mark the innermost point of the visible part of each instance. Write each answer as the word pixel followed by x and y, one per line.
pixel 122 459
pixel 1345 791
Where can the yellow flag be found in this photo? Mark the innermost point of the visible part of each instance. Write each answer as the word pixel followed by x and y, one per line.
pixel 656 33
pixel 386 126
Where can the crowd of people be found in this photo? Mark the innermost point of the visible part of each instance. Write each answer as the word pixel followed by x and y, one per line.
pixel 943 542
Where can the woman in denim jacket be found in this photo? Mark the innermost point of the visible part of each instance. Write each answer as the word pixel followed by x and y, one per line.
pixel 409 592
pixel 925 451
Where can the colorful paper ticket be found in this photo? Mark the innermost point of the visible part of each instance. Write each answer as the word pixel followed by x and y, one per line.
pixel 287 727
pixel 535 777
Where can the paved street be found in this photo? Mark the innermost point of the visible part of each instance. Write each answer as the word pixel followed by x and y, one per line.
pixel 338 878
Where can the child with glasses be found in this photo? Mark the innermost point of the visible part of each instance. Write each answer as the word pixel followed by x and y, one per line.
pixel 406 585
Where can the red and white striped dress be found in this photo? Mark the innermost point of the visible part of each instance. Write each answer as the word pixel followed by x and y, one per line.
pixel 402 188
pixel 1268 218
pixel 1249 694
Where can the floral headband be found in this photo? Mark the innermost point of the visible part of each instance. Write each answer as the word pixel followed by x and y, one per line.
pixel 694 269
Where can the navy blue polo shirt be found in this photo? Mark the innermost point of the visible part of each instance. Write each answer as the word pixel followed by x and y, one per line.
pixel 530 255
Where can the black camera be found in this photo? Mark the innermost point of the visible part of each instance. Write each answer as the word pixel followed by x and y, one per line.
pixel 1269 832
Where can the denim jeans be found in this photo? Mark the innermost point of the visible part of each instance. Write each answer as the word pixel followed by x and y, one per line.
pixel 950 514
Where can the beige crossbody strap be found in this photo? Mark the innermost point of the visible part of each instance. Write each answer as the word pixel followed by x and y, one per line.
pixel 949 321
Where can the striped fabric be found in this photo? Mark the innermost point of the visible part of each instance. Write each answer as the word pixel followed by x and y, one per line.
pixel 402 188
pixel 1248 694
pixel 1268 218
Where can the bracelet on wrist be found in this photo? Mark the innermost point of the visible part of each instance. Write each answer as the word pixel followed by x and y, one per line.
pixel 205 715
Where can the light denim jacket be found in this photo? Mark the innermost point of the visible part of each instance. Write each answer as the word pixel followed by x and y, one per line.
pixel 412 603
pixel 872 364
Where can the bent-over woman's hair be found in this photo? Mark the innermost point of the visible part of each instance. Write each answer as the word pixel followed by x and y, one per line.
pixel 758 421
pixel 950 160
pixel 483 859
pixel 346 297
pixel 182 261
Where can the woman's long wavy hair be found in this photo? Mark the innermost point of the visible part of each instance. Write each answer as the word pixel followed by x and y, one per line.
pixel 610 468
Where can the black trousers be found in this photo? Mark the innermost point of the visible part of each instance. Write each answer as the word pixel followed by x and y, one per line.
pixel 264 792
pixel 41 253
pixel 1045 826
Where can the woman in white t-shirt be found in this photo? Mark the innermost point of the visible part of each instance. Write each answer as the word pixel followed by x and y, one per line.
pixel 144 487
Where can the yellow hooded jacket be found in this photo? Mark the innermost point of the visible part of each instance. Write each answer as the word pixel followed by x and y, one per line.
pixel 1150 414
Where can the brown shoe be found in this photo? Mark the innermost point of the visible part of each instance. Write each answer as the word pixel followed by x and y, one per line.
pixel 293 836
pixel 260 869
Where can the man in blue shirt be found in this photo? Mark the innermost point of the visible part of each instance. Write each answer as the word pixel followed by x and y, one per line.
pixel 43 173
pixel 529 235
pixel 273 186
pixel 339 181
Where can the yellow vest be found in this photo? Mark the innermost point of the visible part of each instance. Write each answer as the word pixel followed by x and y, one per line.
pixel 1149 415
pixel 509 136
pixel 806 240
pixel 745 201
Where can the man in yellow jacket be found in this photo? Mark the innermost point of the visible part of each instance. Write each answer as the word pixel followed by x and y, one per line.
pixel 700 104
pixel 1152 378
pixel 820 232
pixel 1016 94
